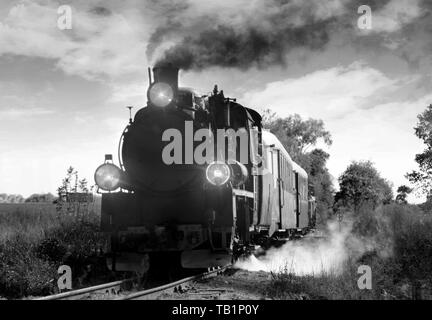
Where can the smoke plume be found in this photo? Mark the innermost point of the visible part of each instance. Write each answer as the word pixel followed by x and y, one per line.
pixel 244 34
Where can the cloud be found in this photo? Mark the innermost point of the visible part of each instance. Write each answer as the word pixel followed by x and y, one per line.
pixel 395 15
pixel 101 42
pixel 334 92
pixel 363 110
pixel 14 113
pixel 384 135
pixel 113 40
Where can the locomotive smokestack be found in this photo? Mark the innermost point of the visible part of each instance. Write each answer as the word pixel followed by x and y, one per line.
pixel 166 73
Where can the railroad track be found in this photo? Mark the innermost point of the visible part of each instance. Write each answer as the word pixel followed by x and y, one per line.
pixel 106 290
pixel 112 290
pixel 179 286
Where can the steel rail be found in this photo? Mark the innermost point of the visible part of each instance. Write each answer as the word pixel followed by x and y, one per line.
pixel 79 293
pixel 173 285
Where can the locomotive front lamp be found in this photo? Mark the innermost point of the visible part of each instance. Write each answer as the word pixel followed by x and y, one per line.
pixel 160 94
pixel 239 173
pixel 218 173
pixel 107 176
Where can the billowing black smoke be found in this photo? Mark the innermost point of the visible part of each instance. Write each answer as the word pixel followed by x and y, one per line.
pixel 226 47
pixel 258 39
pixel 244 34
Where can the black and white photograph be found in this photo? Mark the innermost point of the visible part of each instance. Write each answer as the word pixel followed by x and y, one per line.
pixel 215 157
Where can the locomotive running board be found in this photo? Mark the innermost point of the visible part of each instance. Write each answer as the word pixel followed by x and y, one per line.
pixel 195 259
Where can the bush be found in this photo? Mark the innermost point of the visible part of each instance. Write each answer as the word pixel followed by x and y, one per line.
pixel 22 272
pixel 76 243
pixel 35 244
pixel 51 249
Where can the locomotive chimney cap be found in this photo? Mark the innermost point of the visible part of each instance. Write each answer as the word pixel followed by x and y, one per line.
pixel 166 72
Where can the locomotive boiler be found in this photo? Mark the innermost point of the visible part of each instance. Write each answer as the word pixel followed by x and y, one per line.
pixel 198 180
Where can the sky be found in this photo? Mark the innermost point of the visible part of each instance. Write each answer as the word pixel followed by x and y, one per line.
pixel 64 92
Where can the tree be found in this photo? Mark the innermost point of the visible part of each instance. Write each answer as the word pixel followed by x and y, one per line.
pixel 403 192
pixel 71 184
pixel 74 195
pixel 296 135
pixel 320 179
pixel 48 197
pixel 11 198
pixel 422 179
pixel 360 184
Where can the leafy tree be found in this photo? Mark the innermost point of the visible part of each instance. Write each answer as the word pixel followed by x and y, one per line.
pixel 83 185
pixel 360 184
pixel 71 183
pixel 320 179
pixel 403 192
pixel 48 197
pixel 296 135
pixel 11 198
pixel 422 179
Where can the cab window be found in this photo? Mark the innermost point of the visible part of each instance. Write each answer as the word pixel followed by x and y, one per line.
pixel 184 99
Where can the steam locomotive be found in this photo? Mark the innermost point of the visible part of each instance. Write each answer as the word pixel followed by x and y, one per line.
pixel 198 179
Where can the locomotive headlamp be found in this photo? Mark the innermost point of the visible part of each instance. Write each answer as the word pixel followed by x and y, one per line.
pixel 218 173
pixel 107 176
pixel 239 173
pixel 160 94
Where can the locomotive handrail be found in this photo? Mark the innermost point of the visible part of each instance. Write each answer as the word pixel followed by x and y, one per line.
pixel 243 193
pixel 120 157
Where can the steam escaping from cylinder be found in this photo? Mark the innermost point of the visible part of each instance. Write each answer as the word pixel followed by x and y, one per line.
pixel 309 256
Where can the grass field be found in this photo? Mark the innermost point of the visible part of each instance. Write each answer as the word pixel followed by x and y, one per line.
pixel 33 220
pixel 36 238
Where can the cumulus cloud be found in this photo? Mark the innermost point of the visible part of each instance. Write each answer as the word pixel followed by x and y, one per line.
pixel 334 92
pixel 362 109
pixel 100 43
pixel 383 134
pixel 395 15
